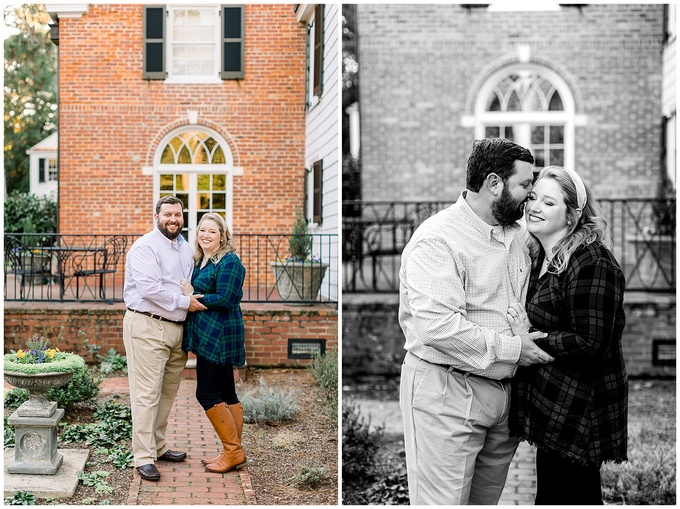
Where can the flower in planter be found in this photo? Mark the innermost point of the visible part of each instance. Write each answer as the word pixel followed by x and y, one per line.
pixel 38 357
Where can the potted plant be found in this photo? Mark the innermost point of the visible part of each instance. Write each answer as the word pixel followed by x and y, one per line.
pixel 299 276
pixel 38 368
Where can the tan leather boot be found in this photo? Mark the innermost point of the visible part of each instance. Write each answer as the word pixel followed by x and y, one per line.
pixel 237 413
pixel 232 456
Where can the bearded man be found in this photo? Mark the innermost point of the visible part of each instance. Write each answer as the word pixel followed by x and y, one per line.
pixel 152 332
pixel 459 273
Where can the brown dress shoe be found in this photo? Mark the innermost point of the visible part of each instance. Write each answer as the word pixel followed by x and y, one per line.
pixel 149 472
pixel 173 456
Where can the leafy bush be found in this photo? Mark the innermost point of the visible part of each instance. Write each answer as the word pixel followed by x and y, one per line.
pixel 9 433
pixel 268 405
pixel 648 477
pixel 359 444
pixel 15 398
pixel 28 213
pixel 112 362
pixel 21 498
pixel 308 477
pixel 325 371
pixel 83 388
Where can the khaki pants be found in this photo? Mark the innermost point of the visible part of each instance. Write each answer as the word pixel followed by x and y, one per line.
pixel 155 363
pixel 458 445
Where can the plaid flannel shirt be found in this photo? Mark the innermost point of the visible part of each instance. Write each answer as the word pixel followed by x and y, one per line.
pixel 576 406
pixel 217 334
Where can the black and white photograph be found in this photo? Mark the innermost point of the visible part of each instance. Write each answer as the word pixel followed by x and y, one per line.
pixel 508 254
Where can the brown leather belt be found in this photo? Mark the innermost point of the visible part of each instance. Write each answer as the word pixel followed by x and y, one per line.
pixel 157 317
pixel 451 368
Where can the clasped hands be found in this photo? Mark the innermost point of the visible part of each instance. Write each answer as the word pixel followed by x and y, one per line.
pixel 187 289
pixel 520 325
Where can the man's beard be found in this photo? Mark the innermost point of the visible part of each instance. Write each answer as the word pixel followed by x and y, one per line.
pixel 506 210
pixel 170 235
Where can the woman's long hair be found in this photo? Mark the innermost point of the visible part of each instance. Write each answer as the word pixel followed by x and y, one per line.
pixel 227 244
pixel 591 226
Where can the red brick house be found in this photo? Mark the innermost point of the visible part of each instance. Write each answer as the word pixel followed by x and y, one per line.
pixel 211 103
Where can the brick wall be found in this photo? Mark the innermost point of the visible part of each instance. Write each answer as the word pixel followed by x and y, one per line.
pixel 111 121
pixel 268 328
pixel 422 65
pixel 373 344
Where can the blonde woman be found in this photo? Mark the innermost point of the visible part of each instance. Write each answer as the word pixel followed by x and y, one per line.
pixel 216 337
pixel 574 410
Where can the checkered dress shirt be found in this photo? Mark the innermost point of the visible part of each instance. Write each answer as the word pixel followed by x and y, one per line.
pixel 458 277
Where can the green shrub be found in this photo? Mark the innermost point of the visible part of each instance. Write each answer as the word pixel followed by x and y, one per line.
pixel 28 213
pixel 648 477
pixel 359 444
pixel 9 433
pixel 15 398
pixel 325 371
pixel 21 498
pixel 268 405
pixel 112 362
pixel 308 477
pixel 83 388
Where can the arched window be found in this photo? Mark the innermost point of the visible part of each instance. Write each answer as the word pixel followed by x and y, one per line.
pixel 532 106
pixel 196 165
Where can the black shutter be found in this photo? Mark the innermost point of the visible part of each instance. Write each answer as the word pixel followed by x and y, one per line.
pixel 232 42
pixel 41 170
pixel 318 49
pixel 318 191
pixel 154 43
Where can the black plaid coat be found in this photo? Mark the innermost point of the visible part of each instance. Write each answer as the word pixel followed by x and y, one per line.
pixel 576 406
pixel 217 334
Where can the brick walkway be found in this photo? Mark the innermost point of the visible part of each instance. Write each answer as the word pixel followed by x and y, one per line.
pixel 187 483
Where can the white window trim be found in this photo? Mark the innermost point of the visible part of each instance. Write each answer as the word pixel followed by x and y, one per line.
pixel 566 117
pixel 171 78
pixel 311 41
pixel 193 170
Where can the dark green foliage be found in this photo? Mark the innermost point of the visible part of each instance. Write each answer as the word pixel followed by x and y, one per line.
pixel 21 498
pixel 325 371
pixel 30 90
pixel 300 242
pixel 359 444
pixel 83 388
pixel 27 213
pixel 112 362
pixel 15 398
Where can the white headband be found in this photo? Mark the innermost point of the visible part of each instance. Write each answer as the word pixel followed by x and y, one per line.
pixel 580 188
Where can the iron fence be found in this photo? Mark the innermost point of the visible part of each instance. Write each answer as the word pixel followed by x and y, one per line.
pixel 375 233
pixel 91 268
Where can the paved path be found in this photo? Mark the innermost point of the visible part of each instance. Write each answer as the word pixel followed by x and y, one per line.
pixel 187 483
pixel 520 487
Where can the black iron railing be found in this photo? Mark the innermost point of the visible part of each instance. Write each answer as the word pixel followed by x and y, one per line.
pixel 91 268
pixel 375 233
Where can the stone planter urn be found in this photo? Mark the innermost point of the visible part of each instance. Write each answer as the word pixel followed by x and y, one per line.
pixel 299 281
pixel 37 266
pixel 37 420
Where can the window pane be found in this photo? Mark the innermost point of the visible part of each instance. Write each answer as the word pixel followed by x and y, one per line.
pixel 492 132
pixel 218 156
pixel 204 201
pixel 509 134
pixel 184 156
pixel 166 183
pixel 537 135
pixel 556 134
pixel 168 157
pixel 514 103
pixel 219 201
pixel 185 200
pixel 557 157
pixel 201 157
pixel 180 181
pixel 539 157
pixel 204 182
pixel 219 183
pixel 555 102
pixel 495 104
